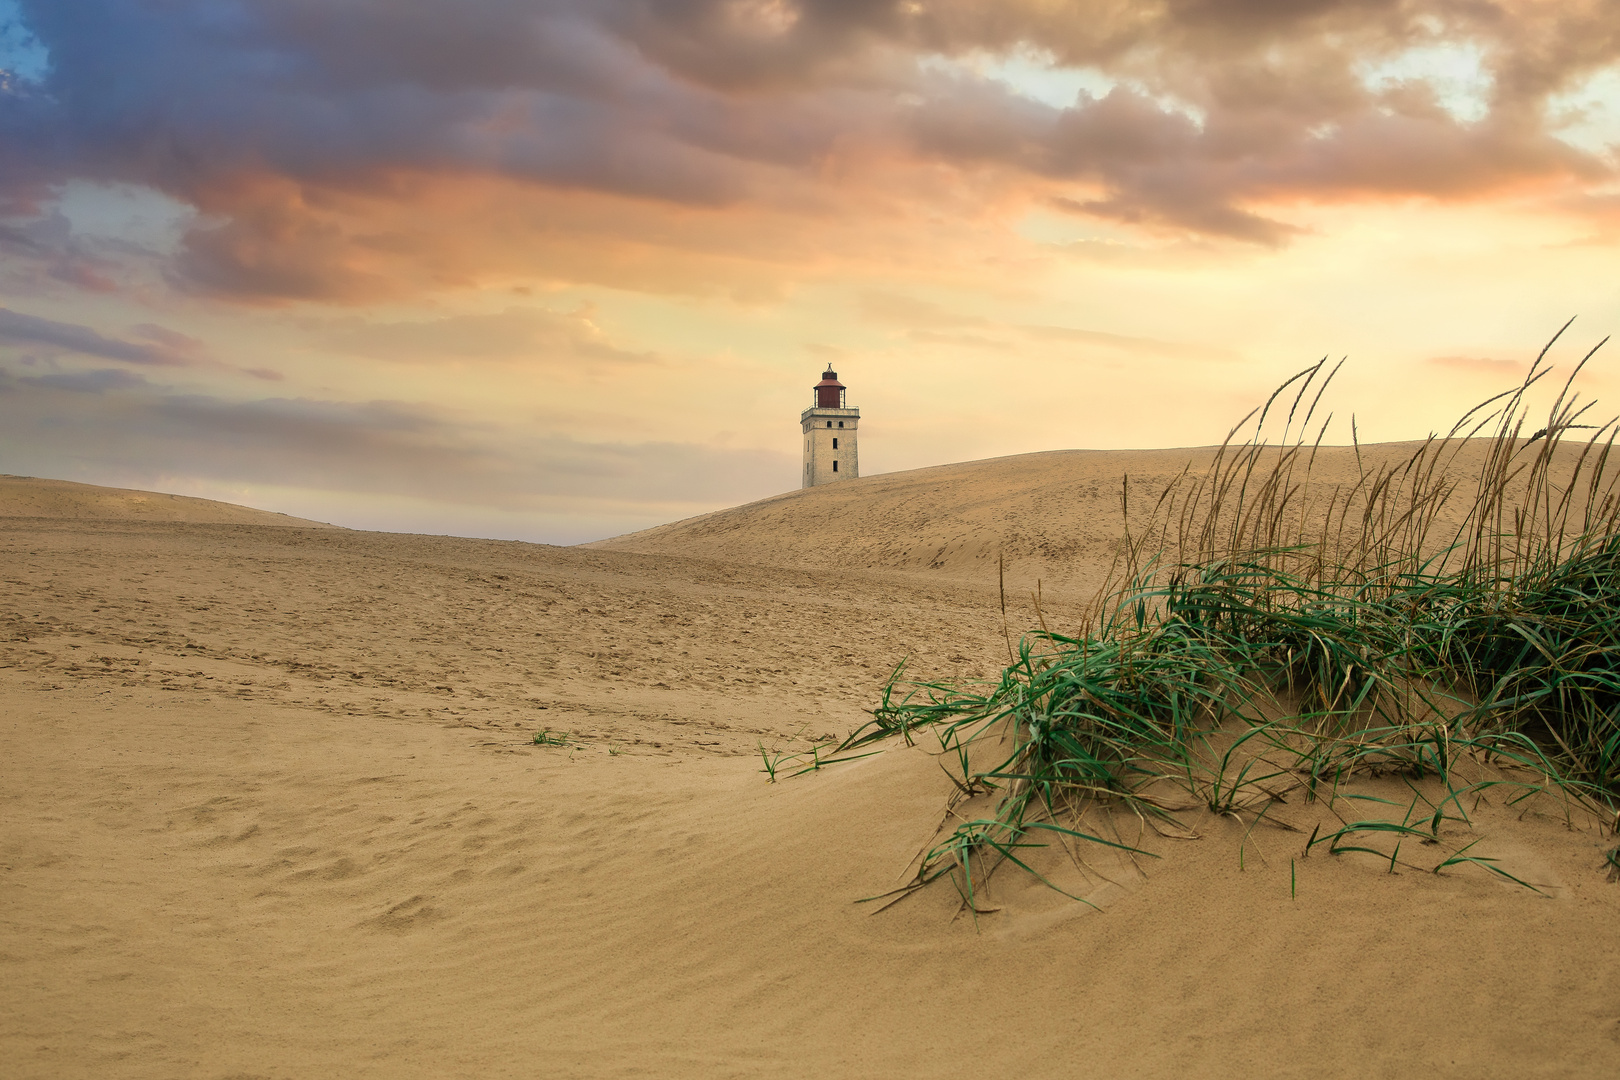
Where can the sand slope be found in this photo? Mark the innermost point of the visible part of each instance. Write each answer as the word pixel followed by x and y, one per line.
pixel 272 808
pixel 32 497
pixel 1055 516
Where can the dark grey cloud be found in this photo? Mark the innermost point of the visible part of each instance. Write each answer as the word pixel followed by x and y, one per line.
pixel 193 94
pixel 1162 165
pixel 267 115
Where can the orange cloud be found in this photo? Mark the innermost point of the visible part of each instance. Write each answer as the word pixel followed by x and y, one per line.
pixel 1481 365
pixel 268 240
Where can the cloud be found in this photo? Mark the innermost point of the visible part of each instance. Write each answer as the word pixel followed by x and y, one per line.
pixel 895 309
pixel 463 232
pixel 933 323
pixel 528 335
pixel 1480 365
pixel 146 344
pixel 320 141
pixel 162 348
pixel 1132 343
pixel 99 381
pixel 47 243
pixel 105 420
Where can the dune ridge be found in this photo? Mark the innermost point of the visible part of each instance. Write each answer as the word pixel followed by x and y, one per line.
pixel 33 497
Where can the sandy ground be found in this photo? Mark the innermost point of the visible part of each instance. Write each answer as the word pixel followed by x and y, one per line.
pixel 270 807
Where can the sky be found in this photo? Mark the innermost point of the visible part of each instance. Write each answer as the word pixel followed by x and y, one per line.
pixel 554 270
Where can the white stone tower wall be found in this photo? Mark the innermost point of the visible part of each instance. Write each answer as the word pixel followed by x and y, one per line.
pixel 825 443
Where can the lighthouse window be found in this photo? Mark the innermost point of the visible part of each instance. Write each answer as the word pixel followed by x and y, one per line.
pixel 835 466
pixel 840 423
pixel 835 444
pixel 829 423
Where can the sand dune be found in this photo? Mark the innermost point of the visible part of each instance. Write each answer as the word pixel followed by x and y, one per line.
pixel 32 497
pixel 272 807
pixel 1055 516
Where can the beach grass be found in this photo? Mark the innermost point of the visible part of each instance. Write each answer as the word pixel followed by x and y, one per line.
pixel 1451 617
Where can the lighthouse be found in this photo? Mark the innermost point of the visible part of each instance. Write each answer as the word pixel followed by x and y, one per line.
pixel 829 434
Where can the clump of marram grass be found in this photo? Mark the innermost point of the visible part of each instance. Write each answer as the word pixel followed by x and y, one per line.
pixel 1270 635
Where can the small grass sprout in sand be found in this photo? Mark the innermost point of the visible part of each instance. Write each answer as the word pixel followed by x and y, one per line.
pixel 1268 637
pixel 799 762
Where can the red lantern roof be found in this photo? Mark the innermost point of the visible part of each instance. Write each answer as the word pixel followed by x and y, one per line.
pixel 829 391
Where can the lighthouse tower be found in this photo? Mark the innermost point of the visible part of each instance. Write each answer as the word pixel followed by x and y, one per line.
pixel 829 434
